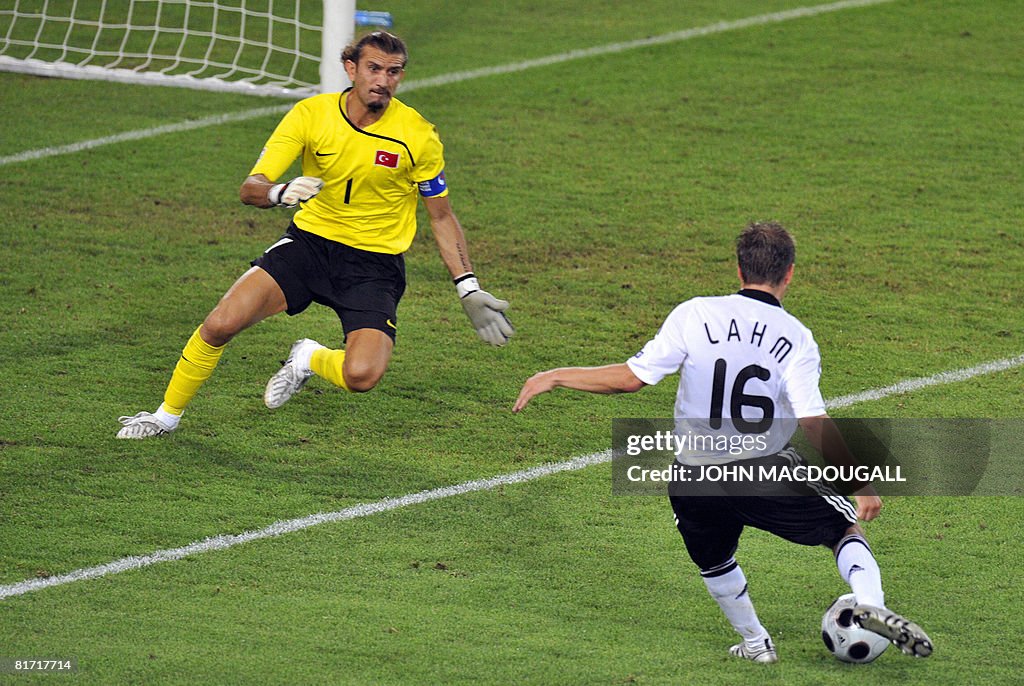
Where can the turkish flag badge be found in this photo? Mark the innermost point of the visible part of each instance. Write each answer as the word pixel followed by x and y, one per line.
pixel 387 159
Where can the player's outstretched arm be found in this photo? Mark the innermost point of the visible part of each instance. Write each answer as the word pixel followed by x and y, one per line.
pixel 485 312
pixel 612 378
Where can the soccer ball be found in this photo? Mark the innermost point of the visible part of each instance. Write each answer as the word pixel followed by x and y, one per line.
pixel 846 640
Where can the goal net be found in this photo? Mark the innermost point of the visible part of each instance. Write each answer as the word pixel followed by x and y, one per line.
pixel 287 48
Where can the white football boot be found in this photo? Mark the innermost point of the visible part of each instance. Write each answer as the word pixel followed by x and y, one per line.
pixel 764 654
pixel 292 376
pixel 904 634
pixel 143 425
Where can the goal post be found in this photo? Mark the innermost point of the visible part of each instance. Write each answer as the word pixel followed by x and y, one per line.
pixel 284 48
pixel 338 31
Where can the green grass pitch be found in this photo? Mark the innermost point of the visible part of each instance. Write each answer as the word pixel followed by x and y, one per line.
pixel 596 194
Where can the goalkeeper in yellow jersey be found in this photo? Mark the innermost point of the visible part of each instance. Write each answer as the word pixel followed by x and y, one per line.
pixel 366 157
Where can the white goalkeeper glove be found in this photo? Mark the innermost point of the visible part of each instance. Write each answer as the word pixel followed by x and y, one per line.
pixel 299 189
pixel 484 311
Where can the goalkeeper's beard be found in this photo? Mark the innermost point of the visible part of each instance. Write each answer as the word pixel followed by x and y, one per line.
pixel 379 105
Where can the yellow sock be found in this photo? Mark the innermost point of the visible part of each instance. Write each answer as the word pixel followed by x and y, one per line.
pixel 328 364
pixel 195 366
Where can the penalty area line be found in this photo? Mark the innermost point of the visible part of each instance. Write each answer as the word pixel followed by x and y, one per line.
pixel 279 528
pixel 139 134
pixel 458 77
pixel 225 541
pixel 940 379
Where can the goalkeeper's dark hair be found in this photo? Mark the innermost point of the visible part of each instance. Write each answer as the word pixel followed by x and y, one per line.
pixel 765 251
pixel 387 43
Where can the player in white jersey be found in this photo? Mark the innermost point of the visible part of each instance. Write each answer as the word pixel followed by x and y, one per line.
pixel 737 352
pixel 747 365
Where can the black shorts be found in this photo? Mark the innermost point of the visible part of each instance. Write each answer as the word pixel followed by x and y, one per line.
pixel 362 287
pixel 711 525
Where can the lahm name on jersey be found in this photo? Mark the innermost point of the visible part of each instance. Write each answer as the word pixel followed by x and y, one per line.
pixel 780 348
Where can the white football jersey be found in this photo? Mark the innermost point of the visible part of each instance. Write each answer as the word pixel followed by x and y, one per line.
pixel 748 370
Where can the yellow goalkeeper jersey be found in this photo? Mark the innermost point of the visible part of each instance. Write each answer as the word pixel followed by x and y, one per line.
pixel 371 176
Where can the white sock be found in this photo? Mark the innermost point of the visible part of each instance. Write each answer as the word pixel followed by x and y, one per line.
pixel 166 418
pixel 730 590
pixel 858 568
pixel 304 354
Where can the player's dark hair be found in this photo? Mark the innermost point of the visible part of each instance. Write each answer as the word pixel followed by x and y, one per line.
pixel 387 43
pixel 765 251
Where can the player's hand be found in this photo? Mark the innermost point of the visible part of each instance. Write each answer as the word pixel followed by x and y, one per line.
pixel 487 314
pixel 541 382
pixel 869 505
pixel 299 189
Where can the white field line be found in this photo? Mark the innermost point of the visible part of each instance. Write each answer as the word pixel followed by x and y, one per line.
pixel 940 379
pixel 613 48
pixel 225 541
pixel 138 134
pixel 456 77
pixel 291 525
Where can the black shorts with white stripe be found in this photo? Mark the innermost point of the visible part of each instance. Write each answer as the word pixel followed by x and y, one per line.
pixel 362 287
pixel 711 525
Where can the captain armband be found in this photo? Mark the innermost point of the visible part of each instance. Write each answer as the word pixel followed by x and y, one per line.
pixel 434 187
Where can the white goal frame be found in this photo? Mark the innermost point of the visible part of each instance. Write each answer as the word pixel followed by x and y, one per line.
pixel 285 37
